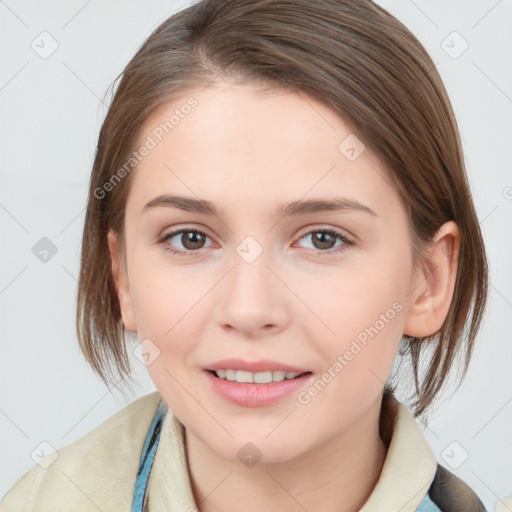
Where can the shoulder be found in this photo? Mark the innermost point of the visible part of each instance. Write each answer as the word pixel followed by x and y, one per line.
pixel 504 504
pixel 451 494
pixel 95 472
pixel 411 461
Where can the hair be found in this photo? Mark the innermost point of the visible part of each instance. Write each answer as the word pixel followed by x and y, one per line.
pixel 360 61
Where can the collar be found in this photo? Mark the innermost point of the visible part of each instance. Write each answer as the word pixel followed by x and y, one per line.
pixel 408 470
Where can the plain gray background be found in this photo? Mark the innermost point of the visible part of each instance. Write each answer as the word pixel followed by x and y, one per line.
pixel 51 111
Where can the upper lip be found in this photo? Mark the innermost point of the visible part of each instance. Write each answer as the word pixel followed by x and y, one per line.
pixel 261 365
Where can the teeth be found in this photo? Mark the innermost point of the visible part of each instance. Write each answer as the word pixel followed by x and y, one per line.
pixel 242 376
pixel 257 377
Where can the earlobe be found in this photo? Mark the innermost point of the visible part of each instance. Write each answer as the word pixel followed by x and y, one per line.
pixel 120 277
pixel 432 291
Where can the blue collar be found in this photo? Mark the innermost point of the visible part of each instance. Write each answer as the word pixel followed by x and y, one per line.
pixel 147 457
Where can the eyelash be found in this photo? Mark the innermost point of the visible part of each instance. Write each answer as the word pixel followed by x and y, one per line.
pixel 346 242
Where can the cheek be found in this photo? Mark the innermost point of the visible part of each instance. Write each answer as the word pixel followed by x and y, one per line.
pixel 347 300
pixel 358 358
pixel 360 320
pixel 170 313
pixel 165 298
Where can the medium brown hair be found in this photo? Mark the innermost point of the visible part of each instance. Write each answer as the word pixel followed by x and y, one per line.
pixel 355 57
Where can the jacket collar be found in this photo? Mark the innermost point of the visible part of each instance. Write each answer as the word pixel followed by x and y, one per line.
pixel 408 470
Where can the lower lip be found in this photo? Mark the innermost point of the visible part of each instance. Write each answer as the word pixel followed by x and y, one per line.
pixel 255 395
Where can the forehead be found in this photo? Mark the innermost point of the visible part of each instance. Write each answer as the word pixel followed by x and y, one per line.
pixel 270 145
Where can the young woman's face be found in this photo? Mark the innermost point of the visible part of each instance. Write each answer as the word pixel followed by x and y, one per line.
pixel 305 266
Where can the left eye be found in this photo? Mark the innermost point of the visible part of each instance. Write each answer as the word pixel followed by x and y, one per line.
pixel 323 240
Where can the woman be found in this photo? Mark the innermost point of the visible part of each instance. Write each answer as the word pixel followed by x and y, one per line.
pixel 278 206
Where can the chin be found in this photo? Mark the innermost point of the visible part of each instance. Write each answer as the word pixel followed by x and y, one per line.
pixel 253 450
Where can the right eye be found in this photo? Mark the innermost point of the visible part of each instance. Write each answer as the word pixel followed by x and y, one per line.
pixel 192 240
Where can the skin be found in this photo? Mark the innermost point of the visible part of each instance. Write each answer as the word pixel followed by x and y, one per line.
pixel 248 151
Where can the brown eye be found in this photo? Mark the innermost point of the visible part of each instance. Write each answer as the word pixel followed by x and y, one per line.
pixel 324 240
pixel 190 240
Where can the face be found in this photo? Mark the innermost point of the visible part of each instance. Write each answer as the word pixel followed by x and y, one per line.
pixel 319 290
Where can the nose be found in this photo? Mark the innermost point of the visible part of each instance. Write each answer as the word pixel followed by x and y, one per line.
pixel 252 299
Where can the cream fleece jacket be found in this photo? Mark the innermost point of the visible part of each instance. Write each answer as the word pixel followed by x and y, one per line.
pixel 98 471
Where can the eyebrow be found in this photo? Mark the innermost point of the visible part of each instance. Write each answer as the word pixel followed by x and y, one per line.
pixel 190 204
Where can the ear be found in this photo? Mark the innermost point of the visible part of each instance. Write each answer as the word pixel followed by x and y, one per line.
pixel 120 276
pixel 432 291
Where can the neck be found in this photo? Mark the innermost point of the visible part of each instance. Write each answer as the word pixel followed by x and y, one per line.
pixel 337 476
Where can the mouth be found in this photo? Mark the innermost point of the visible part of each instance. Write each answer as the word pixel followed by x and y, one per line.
pixel 262 377
pixel 257 383
pixel 256 389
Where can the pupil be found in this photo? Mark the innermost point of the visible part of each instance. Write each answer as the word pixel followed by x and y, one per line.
pixel 323 244
pixel 191 239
